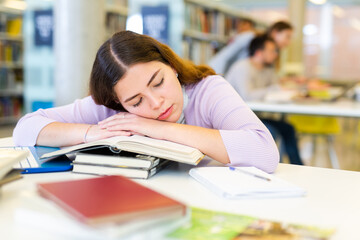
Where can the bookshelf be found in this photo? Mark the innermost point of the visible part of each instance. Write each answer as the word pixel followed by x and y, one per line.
pixel 208 27
pixel 11 65
pixel 116 16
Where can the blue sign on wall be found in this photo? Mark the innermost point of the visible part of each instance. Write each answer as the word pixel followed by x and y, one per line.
pixel 156 22
pixel 44 27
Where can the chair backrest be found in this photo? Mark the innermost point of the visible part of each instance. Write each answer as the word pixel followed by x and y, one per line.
pixel 315 124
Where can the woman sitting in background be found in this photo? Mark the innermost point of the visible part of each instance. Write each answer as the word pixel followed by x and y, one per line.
pixel 140 86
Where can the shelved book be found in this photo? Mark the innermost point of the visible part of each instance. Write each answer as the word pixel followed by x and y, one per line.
pixel 141 145
pixel 111 200
pixel 129 165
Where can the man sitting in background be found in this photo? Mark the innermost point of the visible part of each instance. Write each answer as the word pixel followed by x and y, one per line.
pixel 253 77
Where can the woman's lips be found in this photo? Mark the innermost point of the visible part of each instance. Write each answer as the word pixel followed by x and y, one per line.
pixel 166 114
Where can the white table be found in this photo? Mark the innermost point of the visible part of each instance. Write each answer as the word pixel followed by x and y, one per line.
pixel 340 108
pixel 333 199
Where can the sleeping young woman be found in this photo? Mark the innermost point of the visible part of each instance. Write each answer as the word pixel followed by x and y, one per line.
pixel 140 86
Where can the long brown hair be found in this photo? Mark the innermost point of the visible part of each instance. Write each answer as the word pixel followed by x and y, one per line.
pixel 279 26
pixel 127 48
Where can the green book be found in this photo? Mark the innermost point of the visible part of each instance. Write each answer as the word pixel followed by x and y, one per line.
pixel 212 225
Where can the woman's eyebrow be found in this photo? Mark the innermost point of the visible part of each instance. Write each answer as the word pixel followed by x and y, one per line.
pixel 151 79
pixel 130 98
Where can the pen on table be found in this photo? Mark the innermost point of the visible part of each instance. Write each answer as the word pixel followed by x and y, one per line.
pixel 249 173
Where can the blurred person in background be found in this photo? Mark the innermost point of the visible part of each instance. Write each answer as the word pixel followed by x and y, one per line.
pixel 281 32
pixel 254 77
pixel 245 25
pixel 237 49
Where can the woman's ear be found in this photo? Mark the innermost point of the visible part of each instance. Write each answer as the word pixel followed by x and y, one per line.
pixel 175 72
pixel 116 99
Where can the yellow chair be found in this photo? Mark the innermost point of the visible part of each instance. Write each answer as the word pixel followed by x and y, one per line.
pixel 318 126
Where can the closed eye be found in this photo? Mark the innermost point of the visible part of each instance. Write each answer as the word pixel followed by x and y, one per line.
pixel 160 83
pixel 138 103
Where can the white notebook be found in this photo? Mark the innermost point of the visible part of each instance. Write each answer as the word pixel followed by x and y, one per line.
pixel 244 182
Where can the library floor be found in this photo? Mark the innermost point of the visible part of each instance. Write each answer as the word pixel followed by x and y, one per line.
pixel 347 146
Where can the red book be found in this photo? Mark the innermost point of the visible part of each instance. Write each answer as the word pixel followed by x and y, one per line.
pixel 110 199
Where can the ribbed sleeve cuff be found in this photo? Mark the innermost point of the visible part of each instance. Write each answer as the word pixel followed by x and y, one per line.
pixel 249 148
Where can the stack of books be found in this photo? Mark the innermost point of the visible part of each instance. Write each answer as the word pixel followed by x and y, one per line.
pixel 8 158
pixel 134 157
pixel 104 162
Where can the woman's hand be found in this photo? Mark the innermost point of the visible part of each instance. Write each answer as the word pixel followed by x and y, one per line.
pixel 201 138
pixel 132 124
pixel 95 132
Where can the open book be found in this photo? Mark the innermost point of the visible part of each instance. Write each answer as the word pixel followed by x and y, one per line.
pixel 9 157
pixel 142 145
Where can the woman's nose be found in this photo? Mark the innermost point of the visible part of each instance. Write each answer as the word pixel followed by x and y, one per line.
pixel 156 101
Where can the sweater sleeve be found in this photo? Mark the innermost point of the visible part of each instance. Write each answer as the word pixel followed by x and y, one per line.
pixel 81 111
pixel 227 54
pixel 248 142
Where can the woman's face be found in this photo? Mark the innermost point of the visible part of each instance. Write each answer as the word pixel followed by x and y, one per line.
pixel 282 38
pixel 151 90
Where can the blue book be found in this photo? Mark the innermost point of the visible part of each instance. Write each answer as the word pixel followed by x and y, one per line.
pixel 33 163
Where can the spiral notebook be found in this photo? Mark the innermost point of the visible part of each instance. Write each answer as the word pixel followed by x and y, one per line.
pixel 244 182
